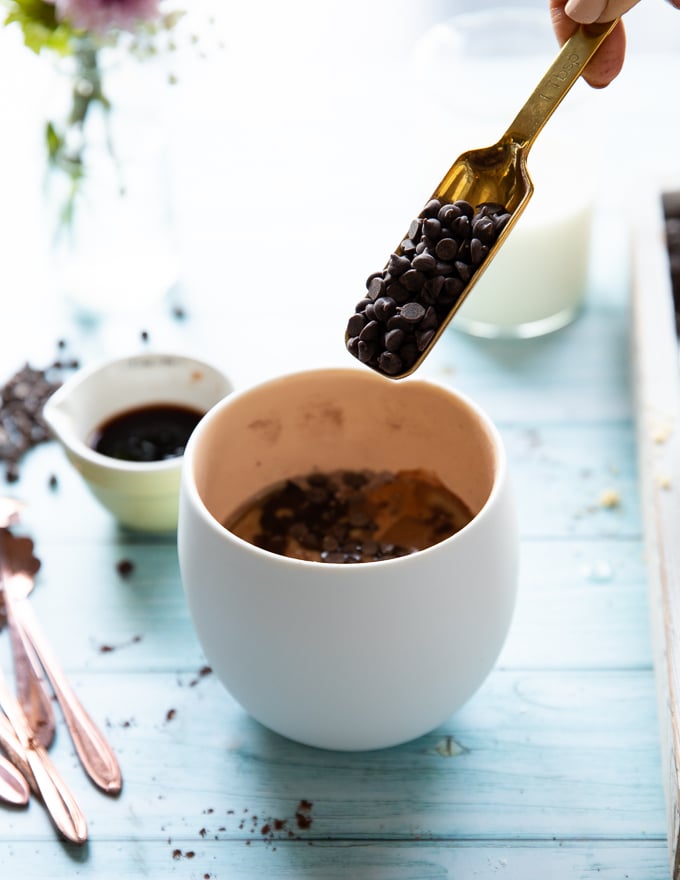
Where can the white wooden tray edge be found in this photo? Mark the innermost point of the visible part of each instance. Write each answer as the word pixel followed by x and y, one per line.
pixel 656 384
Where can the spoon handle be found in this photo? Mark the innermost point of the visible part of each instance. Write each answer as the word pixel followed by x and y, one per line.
pixel 13 786
pixel 14 751
pixel 31 686
pixel 558 79
pixel 95 753
pixel 56 795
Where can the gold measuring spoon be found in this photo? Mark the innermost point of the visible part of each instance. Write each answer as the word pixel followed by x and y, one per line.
pixel 494 176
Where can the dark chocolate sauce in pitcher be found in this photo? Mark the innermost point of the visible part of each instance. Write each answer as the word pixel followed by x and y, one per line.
pixel 147 433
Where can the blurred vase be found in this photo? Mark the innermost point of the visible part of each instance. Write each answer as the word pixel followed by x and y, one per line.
pixel 111 214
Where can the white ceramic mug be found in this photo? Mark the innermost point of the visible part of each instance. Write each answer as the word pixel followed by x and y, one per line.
pixel 348 656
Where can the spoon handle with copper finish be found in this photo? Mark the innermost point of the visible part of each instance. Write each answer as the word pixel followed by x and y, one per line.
pixel 13 786
pixel 56 795
pixel 31 686
pixel 14 751
pixel 95 753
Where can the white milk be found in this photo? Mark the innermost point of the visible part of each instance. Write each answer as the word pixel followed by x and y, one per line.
pixel 538 280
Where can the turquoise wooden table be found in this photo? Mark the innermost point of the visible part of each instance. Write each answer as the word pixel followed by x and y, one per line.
pixel 553 769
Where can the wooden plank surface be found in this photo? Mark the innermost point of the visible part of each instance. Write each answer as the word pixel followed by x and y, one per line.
pixel 553 767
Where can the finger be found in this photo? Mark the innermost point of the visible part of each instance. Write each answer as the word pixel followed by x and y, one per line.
pixel 585 11
pixel 607 62
pixel 563 26
pixel 589 11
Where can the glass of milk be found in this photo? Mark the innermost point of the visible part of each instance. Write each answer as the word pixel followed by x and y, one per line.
pixel 477 69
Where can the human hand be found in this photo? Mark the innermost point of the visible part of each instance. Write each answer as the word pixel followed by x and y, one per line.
pixel 607 62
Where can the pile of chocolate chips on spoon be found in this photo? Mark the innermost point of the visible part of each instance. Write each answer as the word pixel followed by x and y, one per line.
pixel 421 285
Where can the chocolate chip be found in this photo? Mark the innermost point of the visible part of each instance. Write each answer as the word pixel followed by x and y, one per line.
pixel 431 209
pixel 365 351
pixel 478 251
pixel 414 229
pixel 398 264
pixel 413 312
pixel 384 308
pixel 413 280
pixel 370 331
pixel 465 208
pixel 424 338
pixel 356 324
pixel 375 286
pixel 394 340
pixel 484 229
pixel 464 271
pixel 432 227
pixel 424 262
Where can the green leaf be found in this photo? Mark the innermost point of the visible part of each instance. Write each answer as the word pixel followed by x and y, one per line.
pixel 40 27
pixel 55 141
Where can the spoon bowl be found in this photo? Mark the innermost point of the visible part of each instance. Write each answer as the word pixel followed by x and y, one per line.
pixel 492 180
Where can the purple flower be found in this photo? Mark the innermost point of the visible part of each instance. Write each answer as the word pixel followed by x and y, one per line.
pixel 103 15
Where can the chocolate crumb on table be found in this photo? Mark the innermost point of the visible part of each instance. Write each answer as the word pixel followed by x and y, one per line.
pixel 422 284
pixel 125 567
pixel 303 814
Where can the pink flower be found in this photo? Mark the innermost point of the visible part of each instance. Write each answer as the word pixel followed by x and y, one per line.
pixel 104 15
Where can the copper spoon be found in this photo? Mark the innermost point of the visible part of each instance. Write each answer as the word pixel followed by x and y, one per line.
pixel 31 686
pixel 17 757
pixel 31 690
pixel 13 786
pixel 95 753
pixel 498 174
pixel 57 797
